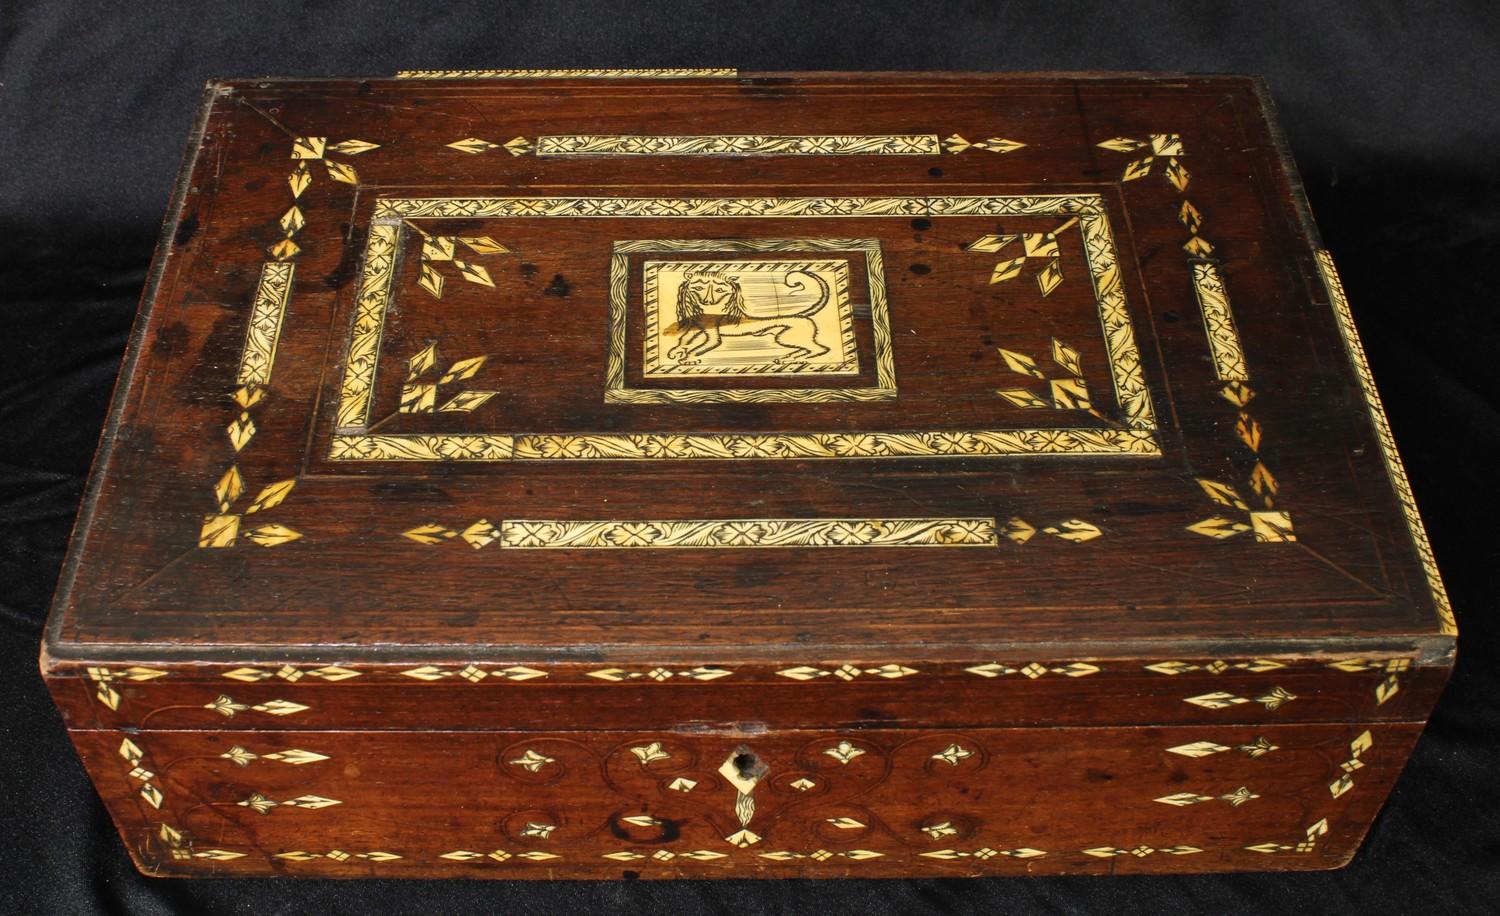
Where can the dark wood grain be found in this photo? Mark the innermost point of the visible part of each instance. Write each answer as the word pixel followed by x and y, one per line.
pixel 250 549
pixel 1038 799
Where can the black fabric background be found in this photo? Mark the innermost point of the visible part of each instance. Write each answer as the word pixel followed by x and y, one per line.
pixel 1391 110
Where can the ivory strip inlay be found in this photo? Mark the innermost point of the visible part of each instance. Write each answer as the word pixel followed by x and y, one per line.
pixel 1396 470
pixel 266 314
pixel 1218 322
pixel 740 145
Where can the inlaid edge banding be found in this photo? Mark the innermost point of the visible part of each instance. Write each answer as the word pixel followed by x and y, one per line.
pixel 702 207
pixel 1394 468
pixel 739 145
pixel 1131 391
pixel 658 446
pixel 750 533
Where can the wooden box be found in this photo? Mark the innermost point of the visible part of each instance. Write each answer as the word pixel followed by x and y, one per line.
pixel 552 474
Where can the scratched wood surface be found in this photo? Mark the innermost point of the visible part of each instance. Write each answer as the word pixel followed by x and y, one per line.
pixel 749 404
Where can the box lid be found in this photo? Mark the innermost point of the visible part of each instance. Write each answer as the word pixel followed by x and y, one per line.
pixel 700 364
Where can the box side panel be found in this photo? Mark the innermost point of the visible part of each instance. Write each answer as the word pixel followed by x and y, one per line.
pixel 813 803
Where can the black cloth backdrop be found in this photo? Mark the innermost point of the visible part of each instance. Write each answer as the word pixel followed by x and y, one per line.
pixel 1392 114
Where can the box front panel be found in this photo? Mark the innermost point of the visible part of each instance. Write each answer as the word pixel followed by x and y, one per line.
pixel 667 803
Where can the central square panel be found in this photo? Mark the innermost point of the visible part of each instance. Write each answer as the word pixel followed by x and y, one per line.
pixel 751 320
pixel 748 318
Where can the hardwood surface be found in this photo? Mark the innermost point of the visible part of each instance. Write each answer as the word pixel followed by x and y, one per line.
pixel 871 803
pixel 401 442
pixel 1014 691
pixel 138 576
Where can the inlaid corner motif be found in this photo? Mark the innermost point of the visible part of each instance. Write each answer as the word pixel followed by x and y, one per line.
pixel 179 846
pixel 420 391
pixel 224 528
pixel 307 150
pixel 1065 391
pixel 1259 515
pixel 1342 785
pixel 1318 829
pixel 1069 391
pixel 450 249
pixel 231 523
pixel 1389 686
pixel 1164 147
pixel 1357 747
pixel 1033 246
pixel 105 678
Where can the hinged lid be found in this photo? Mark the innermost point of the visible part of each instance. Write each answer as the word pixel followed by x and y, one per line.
pixel 791 368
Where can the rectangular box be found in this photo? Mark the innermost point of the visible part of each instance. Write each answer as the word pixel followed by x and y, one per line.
pixel 701 474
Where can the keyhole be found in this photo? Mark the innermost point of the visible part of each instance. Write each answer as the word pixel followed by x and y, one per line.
pixel 746 764
pixel 743 768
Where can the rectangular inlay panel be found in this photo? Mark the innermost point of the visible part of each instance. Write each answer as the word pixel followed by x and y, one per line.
pixel 748 318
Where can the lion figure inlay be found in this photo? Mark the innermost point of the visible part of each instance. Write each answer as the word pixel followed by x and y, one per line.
pixel 711 306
